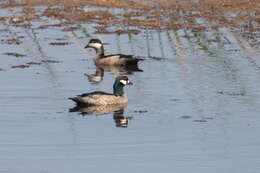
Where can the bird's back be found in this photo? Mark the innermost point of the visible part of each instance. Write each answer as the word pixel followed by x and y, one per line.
pixel 117 59
pixel 99 98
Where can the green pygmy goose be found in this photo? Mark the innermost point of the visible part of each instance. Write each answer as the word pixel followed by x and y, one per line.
pixel 115 59
pixel 103 98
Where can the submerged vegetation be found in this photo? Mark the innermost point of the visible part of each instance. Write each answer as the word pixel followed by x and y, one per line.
pixel 155 14
pixel 201 22
pixel 134 17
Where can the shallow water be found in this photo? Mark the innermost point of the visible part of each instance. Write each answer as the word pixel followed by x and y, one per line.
pixel 194 108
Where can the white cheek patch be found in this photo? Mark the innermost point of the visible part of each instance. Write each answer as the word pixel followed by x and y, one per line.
pixel 123 82
pixel 96 45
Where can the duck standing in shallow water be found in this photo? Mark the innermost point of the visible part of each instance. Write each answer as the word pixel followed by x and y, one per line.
pixel 102 98
pixel 115 59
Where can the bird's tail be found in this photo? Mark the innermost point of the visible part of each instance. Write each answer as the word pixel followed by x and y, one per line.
pixel 77 100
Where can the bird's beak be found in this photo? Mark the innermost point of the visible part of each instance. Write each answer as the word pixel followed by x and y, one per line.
pixel 87 46
pixel 129 83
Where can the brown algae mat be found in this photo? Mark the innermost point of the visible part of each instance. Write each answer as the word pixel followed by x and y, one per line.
pixel 152 14
pixel 133 17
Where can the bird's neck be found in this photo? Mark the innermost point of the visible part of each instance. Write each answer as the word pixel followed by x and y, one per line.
pixel 99 71
pixel 118 88
pixel 99 52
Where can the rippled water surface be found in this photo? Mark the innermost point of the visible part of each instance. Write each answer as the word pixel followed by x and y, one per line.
pixel 194 108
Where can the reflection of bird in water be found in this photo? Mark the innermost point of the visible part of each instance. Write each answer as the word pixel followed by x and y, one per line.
pixel 103 98
pixel 98 76
pixel 117 109
pixel 115 59
pixel 120 119
pixel 98 110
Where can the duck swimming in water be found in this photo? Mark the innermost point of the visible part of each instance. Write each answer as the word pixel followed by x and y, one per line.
pixel 103 98
pixel 115 59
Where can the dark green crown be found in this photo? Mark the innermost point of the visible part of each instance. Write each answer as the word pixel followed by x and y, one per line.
pixel 95 41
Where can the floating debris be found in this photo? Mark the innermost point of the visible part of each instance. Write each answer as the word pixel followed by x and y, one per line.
pixel 24 25
pixel 14 54
pixel 29 10
pixel 60 39
pixel 50 25
pixel 34 63
pixel 175 100
pixel 72 28
pixel 20 19
pixel 208 118
pixel 11 41
pixel 59 43
pixel 140 111
pixel 230 93
pixel 185 117
pixel 50 61
pixel 21 66
pixel 102 30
